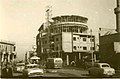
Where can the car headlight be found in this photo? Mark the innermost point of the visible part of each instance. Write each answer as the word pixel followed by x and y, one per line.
pixel 113 71
pixel 105 72
pixel 29 73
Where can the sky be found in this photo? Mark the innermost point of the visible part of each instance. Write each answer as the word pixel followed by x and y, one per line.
pixel 21 19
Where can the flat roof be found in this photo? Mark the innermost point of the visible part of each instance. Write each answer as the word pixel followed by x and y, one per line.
pixel 7 42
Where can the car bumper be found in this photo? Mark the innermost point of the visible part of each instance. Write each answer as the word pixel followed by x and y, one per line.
pixel 35 75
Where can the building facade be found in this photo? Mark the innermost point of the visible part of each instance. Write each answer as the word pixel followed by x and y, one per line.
pixel 67 38
pixel 110 49
pixel 110 44
pixel 7 51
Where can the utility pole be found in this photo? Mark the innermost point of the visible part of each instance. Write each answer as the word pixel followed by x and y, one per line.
pixel 48 17
pixel 26 58
pixel 92 48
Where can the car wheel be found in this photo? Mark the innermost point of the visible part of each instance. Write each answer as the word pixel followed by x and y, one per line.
pixel 89 73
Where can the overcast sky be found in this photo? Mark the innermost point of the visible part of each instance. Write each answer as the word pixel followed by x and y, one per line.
pixel 20 19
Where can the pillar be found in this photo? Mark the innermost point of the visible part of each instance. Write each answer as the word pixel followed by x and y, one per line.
pixel 94 57
pixel 3 56
pixel 79 55
pixel 9 56
pixel 67 59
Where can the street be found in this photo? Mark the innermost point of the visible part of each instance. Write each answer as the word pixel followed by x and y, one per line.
pixel 65 72
pixel 61 73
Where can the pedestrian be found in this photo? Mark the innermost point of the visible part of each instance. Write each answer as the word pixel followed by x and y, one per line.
pixel 7 72
pixel 73 63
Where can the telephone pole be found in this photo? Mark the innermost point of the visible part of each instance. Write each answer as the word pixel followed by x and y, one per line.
pixel 92 48
pixel 48 18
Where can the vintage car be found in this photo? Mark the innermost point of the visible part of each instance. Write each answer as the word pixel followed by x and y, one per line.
pixel 33 70
pixel 54 63
pixel 19 67
pixel 101 69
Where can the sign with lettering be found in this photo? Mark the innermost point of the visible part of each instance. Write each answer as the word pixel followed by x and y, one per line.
pixel 117 47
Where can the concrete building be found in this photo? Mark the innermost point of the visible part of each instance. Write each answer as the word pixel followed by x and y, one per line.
pixel 68 39
pixel 7 51
pixel 110 44
pixel 110 49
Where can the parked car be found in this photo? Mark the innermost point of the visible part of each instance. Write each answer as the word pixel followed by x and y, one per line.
pixel 101 69
pixel 19 67
pixel 33 70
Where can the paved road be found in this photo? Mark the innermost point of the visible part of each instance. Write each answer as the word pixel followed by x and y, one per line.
pixel 69 72
pixel 61 73
pixel 66 72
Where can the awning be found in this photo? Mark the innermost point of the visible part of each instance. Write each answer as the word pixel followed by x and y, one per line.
pixel 34 57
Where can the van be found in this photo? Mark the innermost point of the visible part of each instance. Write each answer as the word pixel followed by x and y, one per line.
pixel 54 63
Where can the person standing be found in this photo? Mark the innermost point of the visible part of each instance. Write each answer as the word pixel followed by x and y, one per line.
pixel 7 72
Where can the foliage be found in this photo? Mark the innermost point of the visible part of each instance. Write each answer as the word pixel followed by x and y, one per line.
pixel 94 71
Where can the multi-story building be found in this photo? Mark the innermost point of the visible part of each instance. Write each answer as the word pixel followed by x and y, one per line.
pixel 7 51
pixel 68 38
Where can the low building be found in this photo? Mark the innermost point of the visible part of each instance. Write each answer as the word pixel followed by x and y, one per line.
pixel 7 51
pixel 110 49
pixel 68 39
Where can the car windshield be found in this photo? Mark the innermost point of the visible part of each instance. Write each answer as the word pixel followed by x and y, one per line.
pixel 105 65
pixel 32 66
pixel 20 64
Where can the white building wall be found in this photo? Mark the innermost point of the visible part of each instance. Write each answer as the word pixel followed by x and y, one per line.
pixel 67 41
pixel 79 43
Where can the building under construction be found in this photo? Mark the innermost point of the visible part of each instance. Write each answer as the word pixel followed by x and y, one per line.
pixel 65 37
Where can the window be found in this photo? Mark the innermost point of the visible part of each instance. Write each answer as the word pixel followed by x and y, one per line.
pixel 44 50
pixel 64 29
pixel 74 38
pixel 57 48
pixel 74 47
pixel 45 42
pixel 84 48
pixel 91 48
pixel 52 46
pixel 91 40
pixel 105 65
pixel 84 39
pixel 38 43
pixel 57 39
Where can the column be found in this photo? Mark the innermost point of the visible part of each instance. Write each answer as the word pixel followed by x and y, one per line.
pixel 79 55
pixel 13 55
pixel 9 56
pixel 67 59
pixel 3 56
pixel 94 57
